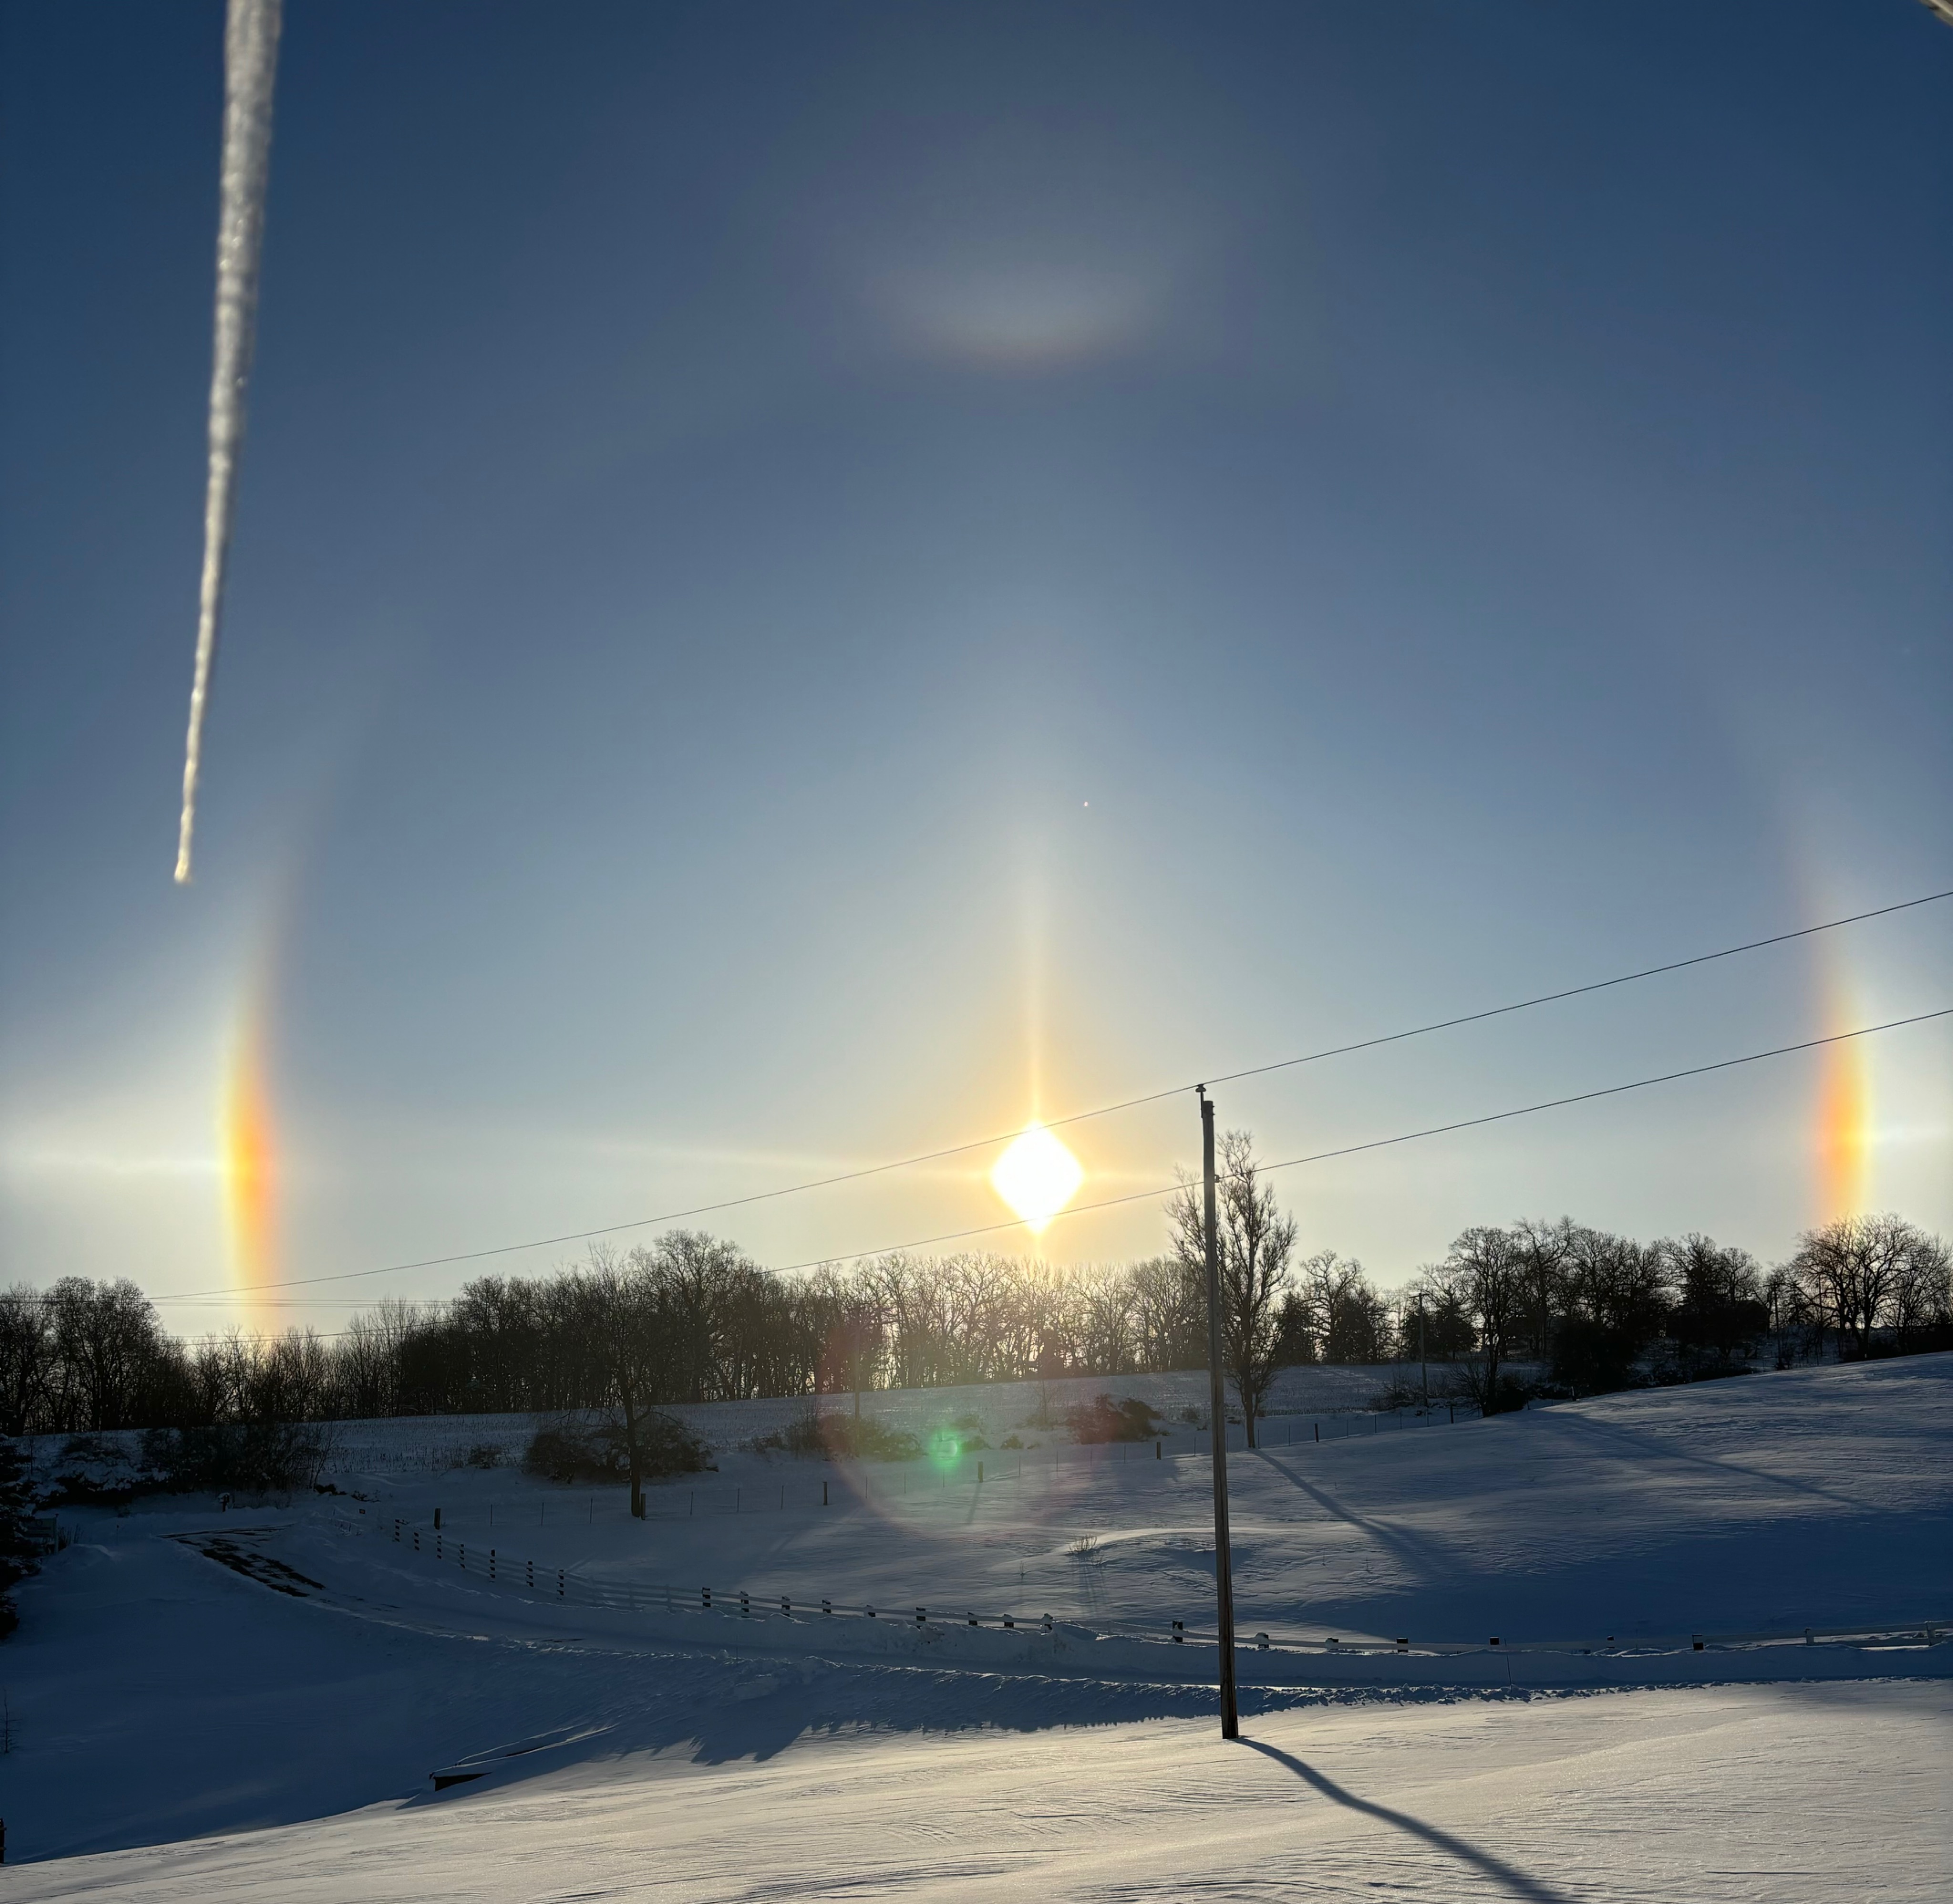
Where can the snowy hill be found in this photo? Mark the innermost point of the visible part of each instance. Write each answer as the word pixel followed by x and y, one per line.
pixel 325 1665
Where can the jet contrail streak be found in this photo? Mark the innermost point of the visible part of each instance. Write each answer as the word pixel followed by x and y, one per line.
pixel 250 62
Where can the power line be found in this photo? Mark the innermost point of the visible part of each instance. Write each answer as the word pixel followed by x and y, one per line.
pixel 1080 1116
pixel 1385 1143
pixel 1406 1137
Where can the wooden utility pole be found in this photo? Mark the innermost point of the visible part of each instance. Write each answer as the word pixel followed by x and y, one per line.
pixel 1224 1568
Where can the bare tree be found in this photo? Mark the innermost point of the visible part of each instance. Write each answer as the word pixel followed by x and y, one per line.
pixel 107 1337
pixel 1348 1320
pixel 1921 1296
pixel 1486 1273
pixel 1256 1241
pixel 618 1303
pixel 1544 1249
pixel 26 1357
pixel 1854 1267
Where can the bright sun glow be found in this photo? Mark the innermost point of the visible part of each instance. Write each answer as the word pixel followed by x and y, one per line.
pixel 1037 1177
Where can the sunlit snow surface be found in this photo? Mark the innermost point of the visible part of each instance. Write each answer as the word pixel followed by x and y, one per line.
pixel 252 1742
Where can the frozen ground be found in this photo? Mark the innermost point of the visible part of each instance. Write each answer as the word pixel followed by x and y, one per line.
pixel 278 1743
pixel 1734 1794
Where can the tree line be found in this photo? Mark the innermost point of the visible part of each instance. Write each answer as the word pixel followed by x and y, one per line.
pixel 691 1318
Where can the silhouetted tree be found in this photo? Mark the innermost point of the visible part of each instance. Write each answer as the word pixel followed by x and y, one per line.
pixel 1256 1241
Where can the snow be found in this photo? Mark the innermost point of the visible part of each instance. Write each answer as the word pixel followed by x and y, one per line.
pixel 181 1727
pixel 1711 1795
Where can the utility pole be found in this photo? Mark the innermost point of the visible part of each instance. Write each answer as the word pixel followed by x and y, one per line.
pixel 1423 1363
pixel 1224 1565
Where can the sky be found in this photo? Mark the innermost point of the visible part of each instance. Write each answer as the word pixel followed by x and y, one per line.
pixel 812 584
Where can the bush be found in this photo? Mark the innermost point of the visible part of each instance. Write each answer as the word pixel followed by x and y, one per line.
pixel 98 1471
pixel 1509 1396
pixel 572 1450
pixel 484 1454
pixel 1591 1359
pixel 237 1457
pixel 1103 1419
pixel 842 1438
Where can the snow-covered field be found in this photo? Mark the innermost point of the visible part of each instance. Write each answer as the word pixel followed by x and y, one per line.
pixel 203 1734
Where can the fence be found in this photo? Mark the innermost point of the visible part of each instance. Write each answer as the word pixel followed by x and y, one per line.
pixel 503 1570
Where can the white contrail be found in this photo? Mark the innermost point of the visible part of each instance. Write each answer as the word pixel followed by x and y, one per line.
pixel 250 61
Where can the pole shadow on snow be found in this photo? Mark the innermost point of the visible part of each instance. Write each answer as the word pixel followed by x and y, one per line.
pixel 1427 1560
pixel 1641 1449
pixel 1514 1882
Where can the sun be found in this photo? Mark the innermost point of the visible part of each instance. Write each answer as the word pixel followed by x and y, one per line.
pixel 1037 1177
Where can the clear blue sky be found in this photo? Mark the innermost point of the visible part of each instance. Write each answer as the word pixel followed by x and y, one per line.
pixel 1461 491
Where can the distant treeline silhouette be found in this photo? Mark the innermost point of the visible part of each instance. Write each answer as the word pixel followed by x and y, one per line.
pixel 692 1318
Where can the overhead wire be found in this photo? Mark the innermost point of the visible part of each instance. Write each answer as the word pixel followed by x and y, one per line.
pixel 1079 1117
pixel 1341 1150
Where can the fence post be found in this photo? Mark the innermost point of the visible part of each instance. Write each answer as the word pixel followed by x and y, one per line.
pixel 561 1586
pixel 1179 1633
pixel 705 1598
pixel 823 1494
pixel 922 1615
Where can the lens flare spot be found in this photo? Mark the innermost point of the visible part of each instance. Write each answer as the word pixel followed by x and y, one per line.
pixel 1037 1177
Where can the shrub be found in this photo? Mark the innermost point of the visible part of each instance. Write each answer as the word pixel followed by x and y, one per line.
pixel 237 1457
pixel 570 1450
pixel 484 1454
pixel 1103 1419
pixel 841 1437
pixel 1592 1359
pixel 98 1470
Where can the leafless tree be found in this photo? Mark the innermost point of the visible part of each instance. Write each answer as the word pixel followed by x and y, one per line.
pixel 618 1303
pixel 1855 1266
pixel 1256 1241
pixel 1486 1274
pixel 107 1336
pixel 1922 1295
pixel 1544 1250
pixel 26 1357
